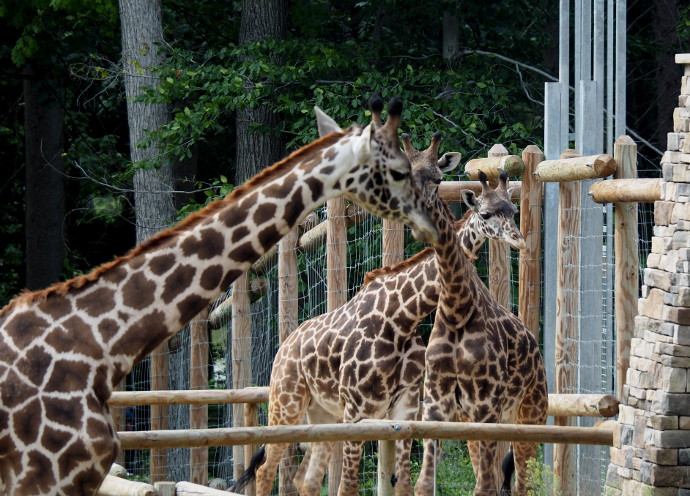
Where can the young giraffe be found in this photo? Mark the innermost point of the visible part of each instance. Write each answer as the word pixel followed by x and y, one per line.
pixel 482 364
pixel 366 358
pixel 63 349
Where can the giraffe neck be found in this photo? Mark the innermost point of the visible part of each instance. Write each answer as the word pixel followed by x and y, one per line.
pixel 416 280
pixel 471 237
pixel 123 310
pixel 456 273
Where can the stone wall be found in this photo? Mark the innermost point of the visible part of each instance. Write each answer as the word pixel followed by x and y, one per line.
pixel 651 453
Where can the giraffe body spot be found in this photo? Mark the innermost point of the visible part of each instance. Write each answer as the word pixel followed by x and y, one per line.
pixel 178 282
pixel 138 292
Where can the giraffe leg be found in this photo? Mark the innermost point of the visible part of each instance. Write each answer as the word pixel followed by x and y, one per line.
pixel 486 485
pixel 309 477
pixel 311 481
pixel 286 406
pixel 523 452
pixel 438 405
pixel 405 408
pixel 473 448
pixel 266 473
pixel 302 470
pixel 352 454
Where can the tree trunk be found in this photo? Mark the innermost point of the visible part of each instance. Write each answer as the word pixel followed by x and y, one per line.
pixel 256 150
pixel 142 42
pixel 45 189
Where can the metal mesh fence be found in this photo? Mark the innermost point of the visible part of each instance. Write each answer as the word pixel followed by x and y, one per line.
pixel 364 254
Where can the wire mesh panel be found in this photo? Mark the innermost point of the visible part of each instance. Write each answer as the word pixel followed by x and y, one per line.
pixel 595 361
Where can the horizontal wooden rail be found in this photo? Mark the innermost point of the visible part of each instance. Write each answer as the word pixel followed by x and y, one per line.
pixel 576 168
pixel 368 430
pixel 626 190
pixel 493 166
pixel 451 191
pixel 575 405
pixel 250 395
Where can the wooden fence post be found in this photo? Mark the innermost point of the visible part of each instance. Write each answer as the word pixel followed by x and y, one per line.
pixel 336 294
pixel 288 310
pixel 159 413
pixel 393 244
pixel 567 311
pixel 499 287
pixel 198 379
pixel 627 262
pixel 241 356
pixel 531 197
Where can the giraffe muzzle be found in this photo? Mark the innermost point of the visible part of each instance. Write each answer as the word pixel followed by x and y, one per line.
pixel 423 229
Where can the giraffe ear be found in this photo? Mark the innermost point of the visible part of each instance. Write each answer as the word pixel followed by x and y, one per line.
pixel 449 161
pixel 470 199
pixel 325 124
pixel 510 192
pixel 361 145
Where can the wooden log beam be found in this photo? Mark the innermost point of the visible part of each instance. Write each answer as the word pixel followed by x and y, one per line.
pixel 115 486
pixel 578 405
pixel 368 430
pixel 576 168
pixel 184 488
pixel 626 190
pixel 493 166
pixel 451 191
pixel 583 405
pixel 221 313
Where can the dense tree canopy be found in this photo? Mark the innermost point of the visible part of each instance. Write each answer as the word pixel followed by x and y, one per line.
pixel 488 88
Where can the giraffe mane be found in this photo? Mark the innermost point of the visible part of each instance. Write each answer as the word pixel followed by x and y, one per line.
pixel 157 240
pixel 413 260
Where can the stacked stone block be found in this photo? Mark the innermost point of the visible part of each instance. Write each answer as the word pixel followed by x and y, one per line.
pixel 651 453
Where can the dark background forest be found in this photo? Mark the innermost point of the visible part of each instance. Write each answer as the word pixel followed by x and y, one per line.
pixel 101 100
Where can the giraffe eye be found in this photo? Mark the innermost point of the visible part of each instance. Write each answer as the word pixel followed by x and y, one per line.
pixel 397 175
pixel 485 216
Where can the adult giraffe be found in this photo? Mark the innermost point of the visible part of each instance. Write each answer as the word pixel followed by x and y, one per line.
pixel 63 349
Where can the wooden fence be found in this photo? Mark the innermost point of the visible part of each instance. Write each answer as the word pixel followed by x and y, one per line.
pixel 569 171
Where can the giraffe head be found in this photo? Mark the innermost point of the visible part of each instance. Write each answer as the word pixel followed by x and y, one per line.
pixel 380 179
pixel 427 168
pixel 494 212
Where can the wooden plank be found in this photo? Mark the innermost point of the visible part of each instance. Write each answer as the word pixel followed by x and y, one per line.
pixel 494 164
pixel 499 287
pixel 184 488
pixel 393 252
pixel 251 419
pixel 198 379
pixel 336 296
pixel 627 262
pixel 241 356
pixel 558 403
pixel 115 486
pixel 567 310
pixel 576 168
pixel 639 190
pixel 159 414
pixel 288 316
pixel 368 430
pixel 451 191
pixel 531 199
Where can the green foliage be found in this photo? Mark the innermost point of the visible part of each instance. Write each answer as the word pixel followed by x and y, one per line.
pixel 455 470
pixel 541 480
pixel 292 76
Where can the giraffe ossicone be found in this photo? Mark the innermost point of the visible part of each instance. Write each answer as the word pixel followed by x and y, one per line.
pixel 64 349
pixel 365 359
